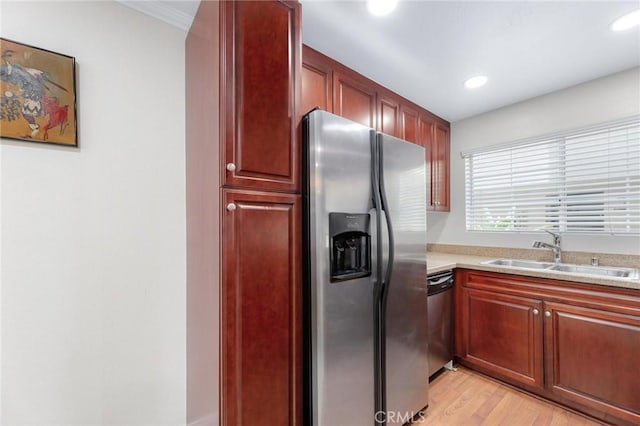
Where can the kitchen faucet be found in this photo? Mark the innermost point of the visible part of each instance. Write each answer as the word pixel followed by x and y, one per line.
pixel 557 251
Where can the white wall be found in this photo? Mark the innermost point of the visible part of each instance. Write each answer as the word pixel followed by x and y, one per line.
pixel 608 98
pixel 93 239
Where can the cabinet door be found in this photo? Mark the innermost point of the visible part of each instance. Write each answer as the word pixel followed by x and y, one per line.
pixel 502 335
pixel 409 124
pixel 317 82
pixel 389 111
pixel 426 140
pixel 591 357
pixel 440 167
pixel 354 100
pixel 260 56
pixel 261 345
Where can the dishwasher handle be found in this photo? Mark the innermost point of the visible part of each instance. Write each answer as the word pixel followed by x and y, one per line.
pixel 440 283
pixel 439 280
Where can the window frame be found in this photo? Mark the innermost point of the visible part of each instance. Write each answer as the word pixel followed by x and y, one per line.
pixel 571 201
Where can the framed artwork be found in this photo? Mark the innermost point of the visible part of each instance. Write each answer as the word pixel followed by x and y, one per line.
pixel 38 95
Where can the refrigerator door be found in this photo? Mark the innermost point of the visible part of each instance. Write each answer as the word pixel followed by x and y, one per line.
pixel 403 180
pixel 340 310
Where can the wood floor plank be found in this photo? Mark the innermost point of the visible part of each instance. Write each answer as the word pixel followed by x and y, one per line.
pixel 466 398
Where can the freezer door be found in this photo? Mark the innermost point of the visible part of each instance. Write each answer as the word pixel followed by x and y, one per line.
pixel 407 373
pixel 340 311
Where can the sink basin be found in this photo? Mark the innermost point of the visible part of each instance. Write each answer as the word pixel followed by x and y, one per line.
pixel 602 271
pixel 514 263
pixel 597 270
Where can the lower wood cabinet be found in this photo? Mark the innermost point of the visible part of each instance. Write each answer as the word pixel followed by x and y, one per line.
pixel 504 334
pixel 592 358
pixel 577 344
pixel 261 346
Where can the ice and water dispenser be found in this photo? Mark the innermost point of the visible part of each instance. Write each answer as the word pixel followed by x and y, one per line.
pixel 350 246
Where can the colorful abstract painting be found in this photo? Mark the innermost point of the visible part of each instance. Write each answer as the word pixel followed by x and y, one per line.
pixel 38 95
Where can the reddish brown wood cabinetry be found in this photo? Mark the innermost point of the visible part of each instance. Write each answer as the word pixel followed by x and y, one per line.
pixel 440 168
pixel 503 334
pixel 592 356
pixel 573 343
pixel 409 124
pixel 243 62
pixel 354 100
pixel 260 307
pixel 261 60
pixel 317 83
pixel 364 101
pixel 389 114
pixel 434 136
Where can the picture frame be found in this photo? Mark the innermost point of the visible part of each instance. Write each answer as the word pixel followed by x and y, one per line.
pixel 37 95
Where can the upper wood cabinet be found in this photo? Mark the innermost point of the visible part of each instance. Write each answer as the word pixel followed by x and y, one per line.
pixel 260 55
pixel 317 83
pixel 409 124
pixel 425 138
pixel 564 341
pixel 353 99
pixel 389 114
pixel 434 136
pixel 440 167
pixel 335 88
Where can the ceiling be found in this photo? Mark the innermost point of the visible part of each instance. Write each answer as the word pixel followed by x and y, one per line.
pixel 424 50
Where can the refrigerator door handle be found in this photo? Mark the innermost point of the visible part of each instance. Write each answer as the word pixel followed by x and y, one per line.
pixel 385 208
pixel 377 205
pixel 378 288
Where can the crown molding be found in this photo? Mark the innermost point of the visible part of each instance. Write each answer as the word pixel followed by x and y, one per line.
pixel 166 11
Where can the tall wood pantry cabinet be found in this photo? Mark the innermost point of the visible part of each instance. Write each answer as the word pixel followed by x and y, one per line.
pixel 243 61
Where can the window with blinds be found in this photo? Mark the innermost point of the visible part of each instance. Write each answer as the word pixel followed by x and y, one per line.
pixel 583 181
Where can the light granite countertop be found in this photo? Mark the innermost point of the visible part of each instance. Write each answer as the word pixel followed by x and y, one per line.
pixel 439 261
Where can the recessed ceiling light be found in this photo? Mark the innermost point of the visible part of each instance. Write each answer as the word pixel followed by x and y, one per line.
pixel 627 21
pixel 381 7
pixel 477 81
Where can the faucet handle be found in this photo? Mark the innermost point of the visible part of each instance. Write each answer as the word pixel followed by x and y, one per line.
pixel 556 237
pixel 551 233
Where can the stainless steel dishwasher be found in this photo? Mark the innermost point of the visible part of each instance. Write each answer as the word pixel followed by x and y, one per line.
pixel 440 317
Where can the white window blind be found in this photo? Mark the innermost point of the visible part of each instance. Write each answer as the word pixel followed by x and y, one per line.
pixel 585 181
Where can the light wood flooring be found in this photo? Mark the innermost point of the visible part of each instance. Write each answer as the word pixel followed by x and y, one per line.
pixel 465 398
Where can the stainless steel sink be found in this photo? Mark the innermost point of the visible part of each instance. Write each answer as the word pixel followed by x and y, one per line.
pixel 597 270
pixel 602 271
pixel 514 263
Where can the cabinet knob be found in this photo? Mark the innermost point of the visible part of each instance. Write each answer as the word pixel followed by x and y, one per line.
pixel 231 167
pixel 536 312
pixel 547 314
pixel 231 207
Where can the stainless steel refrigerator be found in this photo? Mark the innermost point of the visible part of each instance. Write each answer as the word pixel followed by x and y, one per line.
pixel 365 293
